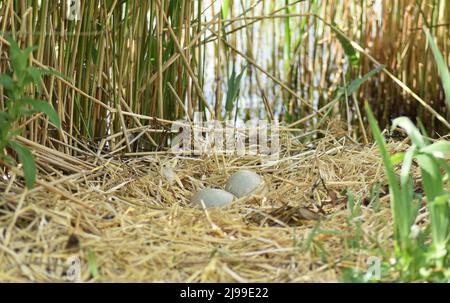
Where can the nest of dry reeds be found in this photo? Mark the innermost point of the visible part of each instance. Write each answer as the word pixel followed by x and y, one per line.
pixel 125 219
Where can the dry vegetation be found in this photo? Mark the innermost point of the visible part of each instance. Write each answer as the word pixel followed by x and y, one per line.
pixel 140 226
pixel 118 60
pixel 126 72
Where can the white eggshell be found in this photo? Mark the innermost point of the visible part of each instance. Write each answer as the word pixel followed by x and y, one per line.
pixel 212 198
pixel 243 183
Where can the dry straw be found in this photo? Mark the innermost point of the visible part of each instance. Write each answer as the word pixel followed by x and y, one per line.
pixel 139 224
pixel 120 56
pixel 101 190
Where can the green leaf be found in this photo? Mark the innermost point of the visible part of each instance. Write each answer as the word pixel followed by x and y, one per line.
pixel 441 64
pixel 239 78
pixel 287 39
pixel 44 107
pixel 375 197
pixel 5 124
pixel 45 72
pixel 8 159
pixel 405 173
pixel 4 120
pixel 348 48
pixel 225 8
pixel 351 204
pixel 234 88
pixel 439 149
pixel 13 46
pixel 19 58
pixel 433 185
pixel 230 92
pixel 92 263
pixel 7 82
pixel 397 158
pixel 355 84
pixel 27 160
pixel 429 165
pixel 15 132
pixel 412 131
pixel 19 61
pixel 27 112
pixel 35 76
pixel 400 207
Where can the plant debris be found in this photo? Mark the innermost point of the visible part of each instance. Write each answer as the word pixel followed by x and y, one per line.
pixel 140 226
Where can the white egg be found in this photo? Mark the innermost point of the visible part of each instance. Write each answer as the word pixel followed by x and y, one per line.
pixel 212 198
pixel 245 182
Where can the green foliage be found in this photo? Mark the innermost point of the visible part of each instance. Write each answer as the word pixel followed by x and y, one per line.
pixel 287 39
pixel 225 8
pixel 353 207
pixel 92 263
pixel 442 66
pixel 356 84
pixel 26 158
pixel 416 259
pixel 351 88
pixel 349 50
pixel 375 197
pixel 234 87
pixel 19 106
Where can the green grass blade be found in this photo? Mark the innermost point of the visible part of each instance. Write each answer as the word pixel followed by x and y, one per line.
pixel 6 82
pixel 438 149
pixel 349 50
pixel 353 86
pixel 287 39
pixel 442 66
pixel 234 86
pixel 405 174
pixel 92 263
pixel 44 107
pixel 225 8
pixel 27 160
pixel 399 207
pixel 412 131
pixel 434 189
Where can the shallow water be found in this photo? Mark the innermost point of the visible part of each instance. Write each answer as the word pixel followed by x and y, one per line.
pixel 267 43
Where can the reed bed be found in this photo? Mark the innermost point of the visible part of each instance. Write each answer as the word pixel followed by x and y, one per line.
pixel 126 70
pixel 138 224
pixel 117 60
pixel 297 43
pixel 127 63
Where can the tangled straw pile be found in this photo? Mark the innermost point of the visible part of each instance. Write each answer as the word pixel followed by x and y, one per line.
pixel 128 220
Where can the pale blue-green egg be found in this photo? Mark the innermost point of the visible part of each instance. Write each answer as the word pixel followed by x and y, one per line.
pixel 244 183
pixel 212 198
